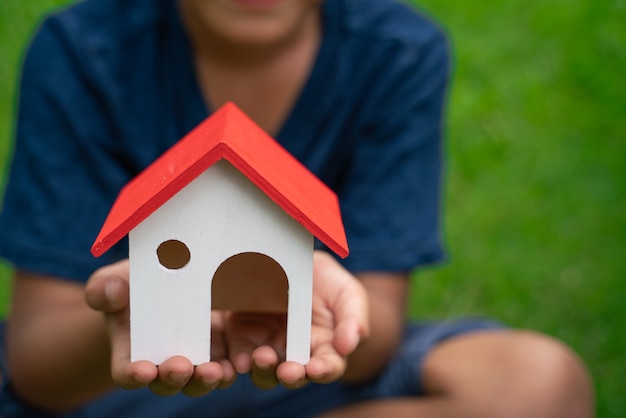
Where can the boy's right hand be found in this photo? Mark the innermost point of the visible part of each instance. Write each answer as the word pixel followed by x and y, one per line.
pixel 107 291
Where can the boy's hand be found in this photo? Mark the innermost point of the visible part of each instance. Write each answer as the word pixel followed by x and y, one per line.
pixel 340 319
pixel 107 291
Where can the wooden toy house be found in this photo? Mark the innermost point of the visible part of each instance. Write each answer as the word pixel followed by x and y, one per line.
pixel 225 219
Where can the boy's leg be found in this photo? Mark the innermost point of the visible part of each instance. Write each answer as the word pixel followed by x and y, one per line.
pixel 492 374
pixel 466 368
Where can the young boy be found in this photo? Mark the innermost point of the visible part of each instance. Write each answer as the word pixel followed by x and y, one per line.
pixel 355 90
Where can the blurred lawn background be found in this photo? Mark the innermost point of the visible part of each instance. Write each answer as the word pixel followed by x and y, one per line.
pixel 536 178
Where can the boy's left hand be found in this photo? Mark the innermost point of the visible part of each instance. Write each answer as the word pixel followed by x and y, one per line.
pixel 340 322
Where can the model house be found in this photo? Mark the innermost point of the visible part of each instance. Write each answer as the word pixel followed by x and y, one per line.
pixel 225 219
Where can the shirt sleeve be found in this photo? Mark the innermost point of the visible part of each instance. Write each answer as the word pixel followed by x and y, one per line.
pixel 62 178
pixel 392 193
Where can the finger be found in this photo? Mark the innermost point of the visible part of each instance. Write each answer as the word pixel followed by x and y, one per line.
pixel 230 374
pixel 174 373
pixel 206 378
pixel 236 341
pixel 264 363
pixel 326 364
pixel 219 355
pixel 246 332
pixel 218 343
pixel 107 288
pixel 240 354
pixel 219 351
pixel 350 334
pixel 139 374
pixel 292 375
pixel 351 318
pixel 325 369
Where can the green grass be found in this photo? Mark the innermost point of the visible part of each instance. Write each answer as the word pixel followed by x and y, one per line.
pixel 18 20
pixel 536 188
pixel 536 197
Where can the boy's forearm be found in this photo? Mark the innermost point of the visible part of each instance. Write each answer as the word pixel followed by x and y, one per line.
pixel 387 316
pixel 60 359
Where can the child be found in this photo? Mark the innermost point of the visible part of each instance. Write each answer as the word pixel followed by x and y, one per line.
pixel 355 90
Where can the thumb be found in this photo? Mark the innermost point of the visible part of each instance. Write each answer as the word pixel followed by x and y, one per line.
pixel 107 289
pixel 349 335
pixel 352 319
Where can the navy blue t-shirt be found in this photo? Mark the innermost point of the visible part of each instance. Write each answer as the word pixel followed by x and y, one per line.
pixel 109 85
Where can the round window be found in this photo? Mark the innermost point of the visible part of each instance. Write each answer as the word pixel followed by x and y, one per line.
pixel 173 254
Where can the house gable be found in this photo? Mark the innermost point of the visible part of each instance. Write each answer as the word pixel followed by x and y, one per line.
pixel 219 215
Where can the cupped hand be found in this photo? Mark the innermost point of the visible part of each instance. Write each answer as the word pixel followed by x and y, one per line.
pixel 107 291
pixel 340 322
pixel 340 318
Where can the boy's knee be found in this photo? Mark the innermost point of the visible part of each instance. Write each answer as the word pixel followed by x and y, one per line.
pixel 512 374
pixel 555 380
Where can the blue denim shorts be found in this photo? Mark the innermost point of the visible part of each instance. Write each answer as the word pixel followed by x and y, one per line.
pixel 401 378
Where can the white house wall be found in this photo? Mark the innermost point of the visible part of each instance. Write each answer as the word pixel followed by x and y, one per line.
pixel 218 215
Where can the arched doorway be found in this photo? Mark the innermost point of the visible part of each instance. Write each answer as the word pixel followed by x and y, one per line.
pixel 250 282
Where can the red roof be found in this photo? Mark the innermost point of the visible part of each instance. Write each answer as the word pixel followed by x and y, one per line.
pixel 232 135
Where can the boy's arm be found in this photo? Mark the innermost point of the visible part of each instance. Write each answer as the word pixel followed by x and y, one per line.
pixel 62 353
pixel 387 301
pixel 57 348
